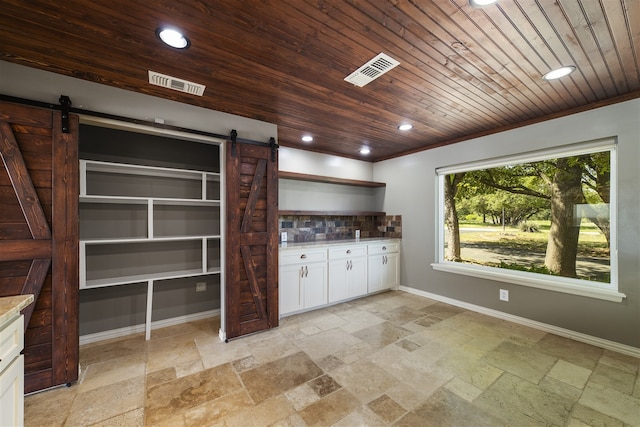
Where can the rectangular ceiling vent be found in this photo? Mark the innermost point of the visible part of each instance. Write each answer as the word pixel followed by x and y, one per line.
pixel 372 70
pixel 175 83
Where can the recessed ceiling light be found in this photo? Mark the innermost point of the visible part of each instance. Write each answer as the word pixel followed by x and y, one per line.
pixel 365 150
pixel 307 138
pixel 405 126
pixel 559 72
pixel 481 3
pixel 173 38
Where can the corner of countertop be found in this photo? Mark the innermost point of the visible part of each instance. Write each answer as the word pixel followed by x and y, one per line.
pixel 12 305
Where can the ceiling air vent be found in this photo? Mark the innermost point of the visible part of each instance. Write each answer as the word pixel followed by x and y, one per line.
pixel 372 70
pixel 175 83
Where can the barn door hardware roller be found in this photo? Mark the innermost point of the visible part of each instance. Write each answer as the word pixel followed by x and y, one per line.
pixel 234 137
pixel 274 148
pixel 65 104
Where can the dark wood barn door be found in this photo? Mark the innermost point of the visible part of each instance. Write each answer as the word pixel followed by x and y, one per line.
pixel 251 289
pixel 39 237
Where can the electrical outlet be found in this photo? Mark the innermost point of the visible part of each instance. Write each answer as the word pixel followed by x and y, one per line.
pixel 201 286
pixel 504 295
pixel 357 234
pixel 283 236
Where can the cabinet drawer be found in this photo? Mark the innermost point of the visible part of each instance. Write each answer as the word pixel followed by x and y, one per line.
pixel 300 256
pixel 347 252
pixel 383 248
pixel 11 341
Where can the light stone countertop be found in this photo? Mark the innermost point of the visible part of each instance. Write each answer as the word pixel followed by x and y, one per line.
pixel 324 243
pixel 10 306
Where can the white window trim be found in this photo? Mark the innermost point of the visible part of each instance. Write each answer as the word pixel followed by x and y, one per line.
pixel 604 291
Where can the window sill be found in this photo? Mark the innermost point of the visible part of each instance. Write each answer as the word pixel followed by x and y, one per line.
pixel 552 283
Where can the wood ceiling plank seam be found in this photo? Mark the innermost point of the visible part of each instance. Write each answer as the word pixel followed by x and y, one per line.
pixel 622 34
pixel 602 29
pixel 443 111
pixel 453 30
pixel 575 55
pixel 529 38
pixel 340 37
pixel 482 102
pixel 524 70
pixel 592 44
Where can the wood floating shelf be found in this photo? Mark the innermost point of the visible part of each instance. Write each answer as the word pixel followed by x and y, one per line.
pixel 332 213
pixel 329 180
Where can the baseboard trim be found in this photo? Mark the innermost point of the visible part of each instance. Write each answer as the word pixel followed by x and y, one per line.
pixel 136 329
pixel 567 333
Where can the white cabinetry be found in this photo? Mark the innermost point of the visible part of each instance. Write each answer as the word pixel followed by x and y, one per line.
pixel 144 224
pixel 303 280
pixel 384 260
pixel 347 272
pixel 12 372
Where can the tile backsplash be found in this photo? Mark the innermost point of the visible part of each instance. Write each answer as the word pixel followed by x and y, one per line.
pixel 305 228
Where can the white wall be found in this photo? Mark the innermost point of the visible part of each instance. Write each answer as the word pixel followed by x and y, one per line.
pixel 313 196
pixel 411 186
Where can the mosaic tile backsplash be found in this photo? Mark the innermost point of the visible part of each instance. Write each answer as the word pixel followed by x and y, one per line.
pixel 307 228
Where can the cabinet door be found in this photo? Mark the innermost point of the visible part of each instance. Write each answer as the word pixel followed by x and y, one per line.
pixel 338 280
pixel 377 272
pixel 357 282
pixel 315 285
pixel 290 289
pixel 12 394
pixel 392 271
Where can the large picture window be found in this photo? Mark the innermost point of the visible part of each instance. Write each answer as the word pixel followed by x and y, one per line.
pixel 545 219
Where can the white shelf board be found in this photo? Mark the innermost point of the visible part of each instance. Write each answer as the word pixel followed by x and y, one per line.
pixel 105 241
pixel 143 278
pixel 128 169
pixel 144 200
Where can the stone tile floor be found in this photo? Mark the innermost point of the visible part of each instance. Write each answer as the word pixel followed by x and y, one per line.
pixel 392 359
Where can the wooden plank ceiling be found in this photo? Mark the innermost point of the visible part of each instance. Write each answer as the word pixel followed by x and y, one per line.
pixel 463 71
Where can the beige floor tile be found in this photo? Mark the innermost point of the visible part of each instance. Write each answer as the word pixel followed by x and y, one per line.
pixel 364 379
pixel 330 409
pixel 216 410
pixel 274 348
pixel 128 419
pixel 406 396
pixel 220 353
pixel 113 371
pixel 621 361
pixel 523 403
pixel 361 417
pixel 112 349
pixel 328 321
pixel 523 361
pixel 612 403
pixel 591 417
pixel 569 373
pixel 381 335
pixel 182 394
pixel 293 420
pixel 578 353
pixel 302 396
pixel 265 414
pixel 471 370
pixel 386 408
pixel 463 389
pixel 122 397
pixel 326 343
pixel 167 353
pixel 444 408
pixel 277 377
pixel 49 407
pixel 617 379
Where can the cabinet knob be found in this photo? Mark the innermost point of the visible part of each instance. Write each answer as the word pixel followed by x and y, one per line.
pixel 303 256
pixel 348 251
pixel 384 248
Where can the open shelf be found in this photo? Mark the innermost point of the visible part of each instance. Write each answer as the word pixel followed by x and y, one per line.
pixel 329 180
pixel 331 213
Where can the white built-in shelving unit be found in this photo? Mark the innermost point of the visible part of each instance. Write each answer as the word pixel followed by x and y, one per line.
pixel 147 224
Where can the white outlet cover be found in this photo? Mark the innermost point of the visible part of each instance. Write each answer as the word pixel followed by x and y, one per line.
pixel 504 295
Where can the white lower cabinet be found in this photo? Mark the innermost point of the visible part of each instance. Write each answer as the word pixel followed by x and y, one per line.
pixel 303 280
pixel 384 263
pixel 321 275
pixel 12 373
pixel 347 272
